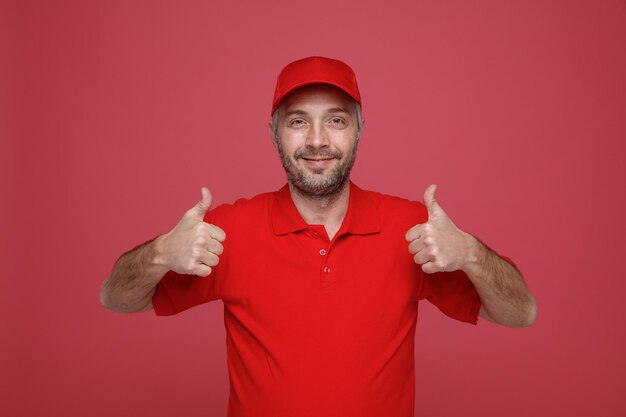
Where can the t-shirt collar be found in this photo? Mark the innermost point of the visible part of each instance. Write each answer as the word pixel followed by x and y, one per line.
pixel 361 218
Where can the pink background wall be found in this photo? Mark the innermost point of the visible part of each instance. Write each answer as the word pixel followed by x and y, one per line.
pixel 115 113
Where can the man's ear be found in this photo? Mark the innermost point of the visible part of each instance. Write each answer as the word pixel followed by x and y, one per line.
pixel 269 126
pixel 360 132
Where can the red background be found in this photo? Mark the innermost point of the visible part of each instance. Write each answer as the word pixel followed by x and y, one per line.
pixel 114 114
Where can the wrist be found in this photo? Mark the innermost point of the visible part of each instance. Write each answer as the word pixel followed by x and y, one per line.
pixel 156 254
pixel 475 255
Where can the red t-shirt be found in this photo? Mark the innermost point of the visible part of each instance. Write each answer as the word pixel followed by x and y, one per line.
pixel 318 327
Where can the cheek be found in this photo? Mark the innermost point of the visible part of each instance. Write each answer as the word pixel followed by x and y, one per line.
pixel 347 143
pixel 285 147
pixel 292 142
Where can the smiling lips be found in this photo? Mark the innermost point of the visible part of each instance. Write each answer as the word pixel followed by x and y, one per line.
pixel 317 162
pixel 317 159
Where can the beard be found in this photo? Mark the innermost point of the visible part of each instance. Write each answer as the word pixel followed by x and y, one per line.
pixel 316 184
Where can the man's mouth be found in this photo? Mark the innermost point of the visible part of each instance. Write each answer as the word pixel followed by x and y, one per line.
pixel 318 163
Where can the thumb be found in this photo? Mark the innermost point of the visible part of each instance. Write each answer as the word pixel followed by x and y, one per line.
pixel 204 204
pixel 429 200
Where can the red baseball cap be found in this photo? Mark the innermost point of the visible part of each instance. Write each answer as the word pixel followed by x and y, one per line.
pixel 315 70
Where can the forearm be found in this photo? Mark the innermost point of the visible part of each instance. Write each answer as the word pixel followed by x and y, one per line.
pixel 133 280
pixel 504 296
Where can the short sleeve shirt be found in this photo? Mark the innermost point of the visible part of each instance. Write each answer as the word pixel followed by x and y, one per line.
pixel 319 327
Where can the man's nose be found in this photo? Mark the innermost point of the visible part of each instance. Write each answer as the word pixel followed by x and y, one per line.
pixel 317 137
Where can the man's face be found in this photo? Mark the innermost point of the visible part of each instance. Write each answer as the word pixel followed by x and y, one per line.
pixel 317 138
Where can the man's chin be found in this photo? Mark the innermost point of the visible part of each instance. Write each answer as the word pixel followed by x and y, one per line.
pixel 318 181
pixel 319 185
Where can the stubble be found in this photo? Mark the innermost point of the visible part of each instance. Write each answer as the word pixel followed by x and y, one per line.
pixel 314 184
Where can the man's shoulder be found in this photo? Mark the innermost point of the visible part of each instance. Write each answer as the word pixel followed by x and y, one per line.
pixel 392 205
pixel 259 201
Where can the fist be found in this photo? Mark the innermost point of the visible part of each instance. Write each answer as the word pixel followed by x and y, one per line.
pixel 192 247
pixel 438 245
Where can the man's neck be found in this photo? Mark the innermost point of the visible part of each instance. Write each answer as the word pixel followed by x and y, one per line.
pixel 326 210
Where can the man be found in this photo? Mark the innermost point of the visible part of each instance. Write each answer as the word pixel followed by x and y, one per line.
pixel 320 280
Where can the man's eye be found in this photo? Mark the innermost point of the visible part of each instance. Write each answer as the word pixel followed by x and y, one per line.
pixel 337 121
pixel 296 122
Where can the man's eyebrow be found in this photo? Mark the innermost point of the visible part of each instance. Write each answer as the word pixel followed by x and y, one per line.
pixel 338 110
pixel 296 112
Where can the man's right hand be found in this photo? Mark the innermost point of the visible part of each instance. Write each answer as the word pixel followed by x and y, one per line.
pixel 192 247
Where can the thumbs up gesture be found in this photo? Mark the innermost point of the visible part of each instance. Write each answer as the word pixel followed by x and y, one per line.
pixel 438 245
pixel 192 246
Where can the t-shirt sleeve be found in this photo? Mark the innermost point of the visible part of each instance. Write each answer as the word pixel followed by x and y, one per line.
pixel 177 292
pixel 454 294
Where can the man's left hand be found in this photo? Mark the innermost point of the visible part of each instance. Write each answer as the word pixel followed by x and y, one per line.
pixel 438 245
